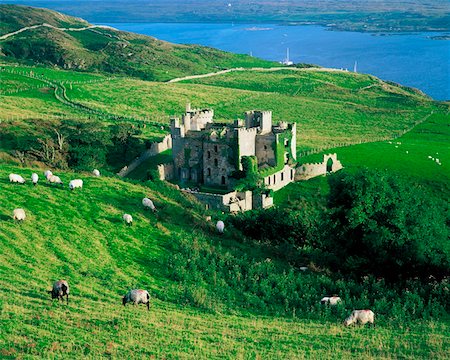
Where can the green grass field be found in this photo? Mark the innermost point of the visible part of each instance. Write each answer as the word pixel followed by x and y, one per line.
pixel 79 236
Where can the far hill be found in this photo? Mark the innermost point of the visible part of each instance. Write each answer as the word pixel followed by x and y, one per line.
pixel 73 43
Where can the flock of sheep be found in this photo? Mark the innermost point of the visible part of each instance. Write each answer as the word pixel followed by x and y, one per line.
pixel 137 296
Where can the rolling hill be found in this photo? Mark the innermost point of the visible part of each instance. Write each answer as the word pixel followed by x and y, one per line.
pixel 104 49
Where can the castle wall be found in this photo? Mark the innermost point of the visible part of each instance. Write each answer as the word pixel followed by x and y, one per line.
pixel 216 165
pixel 311 170
pixel 265 152
pixel 246 142
pixel 280 179
pixel 166 171
pixel 232 202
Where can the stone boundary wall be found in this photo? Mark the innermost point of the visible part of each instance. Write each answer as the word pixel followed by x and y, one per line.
pixel 232 202
pixel 311 170
pixel 155 149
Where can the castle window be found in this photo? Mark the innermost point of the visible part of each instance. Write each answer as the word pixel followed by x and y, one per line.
pixel 216 162
pixel 209 154
pixel 269 180
pixel 215 148
pixel 274 179
pixel 223 180
pixel 208 171
pixel 286 142
pixel 292 174
pixel 282 176
pixel 265 147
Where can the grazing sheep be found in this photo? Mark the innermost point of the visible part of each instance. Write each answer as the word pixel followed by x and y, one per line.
pixel 14 178
pixel 53 179
pixel 360 316
pixel 303 268
pixel 34 178
pixel 59 290
pixel 95 172
pixel 137 297
pixel 19 214
pixel 74 184
pixel 220 226
pixel 148 204
pixel 47 174
pixel 208 218
pixel 128 219
pixel 331 300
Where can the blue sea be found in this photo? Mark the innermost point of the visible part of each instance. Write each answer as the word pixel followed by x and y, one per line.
pixel 409 59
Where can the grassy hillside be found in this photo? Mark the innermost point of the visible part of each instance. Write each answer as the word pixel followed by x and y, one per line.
pixel 105 49
pixel 80 236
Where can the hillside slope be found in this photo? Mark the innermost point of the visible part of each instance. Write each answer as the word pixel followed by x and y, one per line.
pixel 105 49
pixel 79 236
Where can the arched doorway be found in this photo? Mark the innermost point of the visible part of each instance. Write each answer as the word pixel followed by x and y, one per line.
pixel 329 165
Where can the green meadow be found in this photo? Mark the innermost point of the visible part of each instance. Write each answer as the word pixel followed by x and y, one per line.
pixel 80 236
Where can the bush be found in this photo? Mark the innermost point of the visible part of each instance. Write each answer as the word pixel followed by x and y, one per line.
pixel 383 225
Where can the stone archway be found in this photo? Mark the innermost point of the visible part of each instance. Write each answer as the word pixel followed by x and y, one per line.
pixel 329 165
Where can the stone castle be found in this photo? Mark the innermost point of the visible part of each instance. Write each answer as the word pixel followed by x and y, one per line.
pixel 209 154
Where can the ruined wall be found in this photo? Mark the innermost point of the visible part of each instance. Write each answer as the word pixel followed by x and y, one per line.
pixel 311 170
pixel 155 149
pixel 262 201
pixel 265 152
pixel 280 179
pixel 165 171
pixel 216 163
pixel 231 202
pixel 246 142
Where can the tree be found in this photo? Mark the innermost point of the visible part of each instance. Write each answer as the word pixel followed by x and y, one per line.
pixel 384 225
pixel 88 143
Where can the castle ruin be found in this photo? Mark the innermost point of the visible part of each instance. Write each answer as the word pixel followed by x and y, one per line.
pixel 208 153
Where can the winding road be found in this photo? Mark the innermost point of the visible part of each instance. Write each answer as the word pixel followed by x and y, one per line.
pixel 260 69
pixel 3 37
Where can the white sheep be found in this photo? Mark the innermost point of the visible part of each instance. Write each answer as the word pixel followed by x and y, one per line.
pixel 137 296
pixel 220 226
pixel 74 184
pixel 59 290
pixel 47 174
pixel 360 316
pixel 14 178
pixel 148 204
pixel 128 219
pixel 331 300
pixel 95 172
pixel 19 214
pixel 34 178
pixel 53 179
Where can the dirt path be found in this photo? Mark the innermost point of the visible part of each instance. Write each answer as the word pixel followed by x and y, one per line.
pixel 255 69
pixel 3 37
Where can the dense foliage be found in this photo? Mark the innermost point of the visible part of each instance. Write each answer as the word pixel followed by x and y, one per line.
pixel 383 225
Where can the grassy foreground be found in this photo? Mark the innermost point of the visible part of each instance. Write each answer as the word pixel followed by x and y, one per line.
pixel 80 236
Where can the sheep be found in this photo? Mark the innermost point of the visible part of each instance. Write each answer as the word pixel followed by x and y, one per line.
pixel 331 300
pixel 303 268
pixel 208 218
pixel 137 297
pixel 74 184
pixel 95 172
pixel 54 179
pixel 14 178
pixel 34 178
pixel 19 214
pixel 360 316
pixel 148 204
pixel 128 219
pixel 220 226
pixel 59 290
pixel 47 174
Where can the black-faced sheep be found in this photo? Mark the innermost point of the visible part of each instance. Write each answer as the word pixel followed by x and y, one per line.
pixel 19 214
pixel 128 219
pixel 59 290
